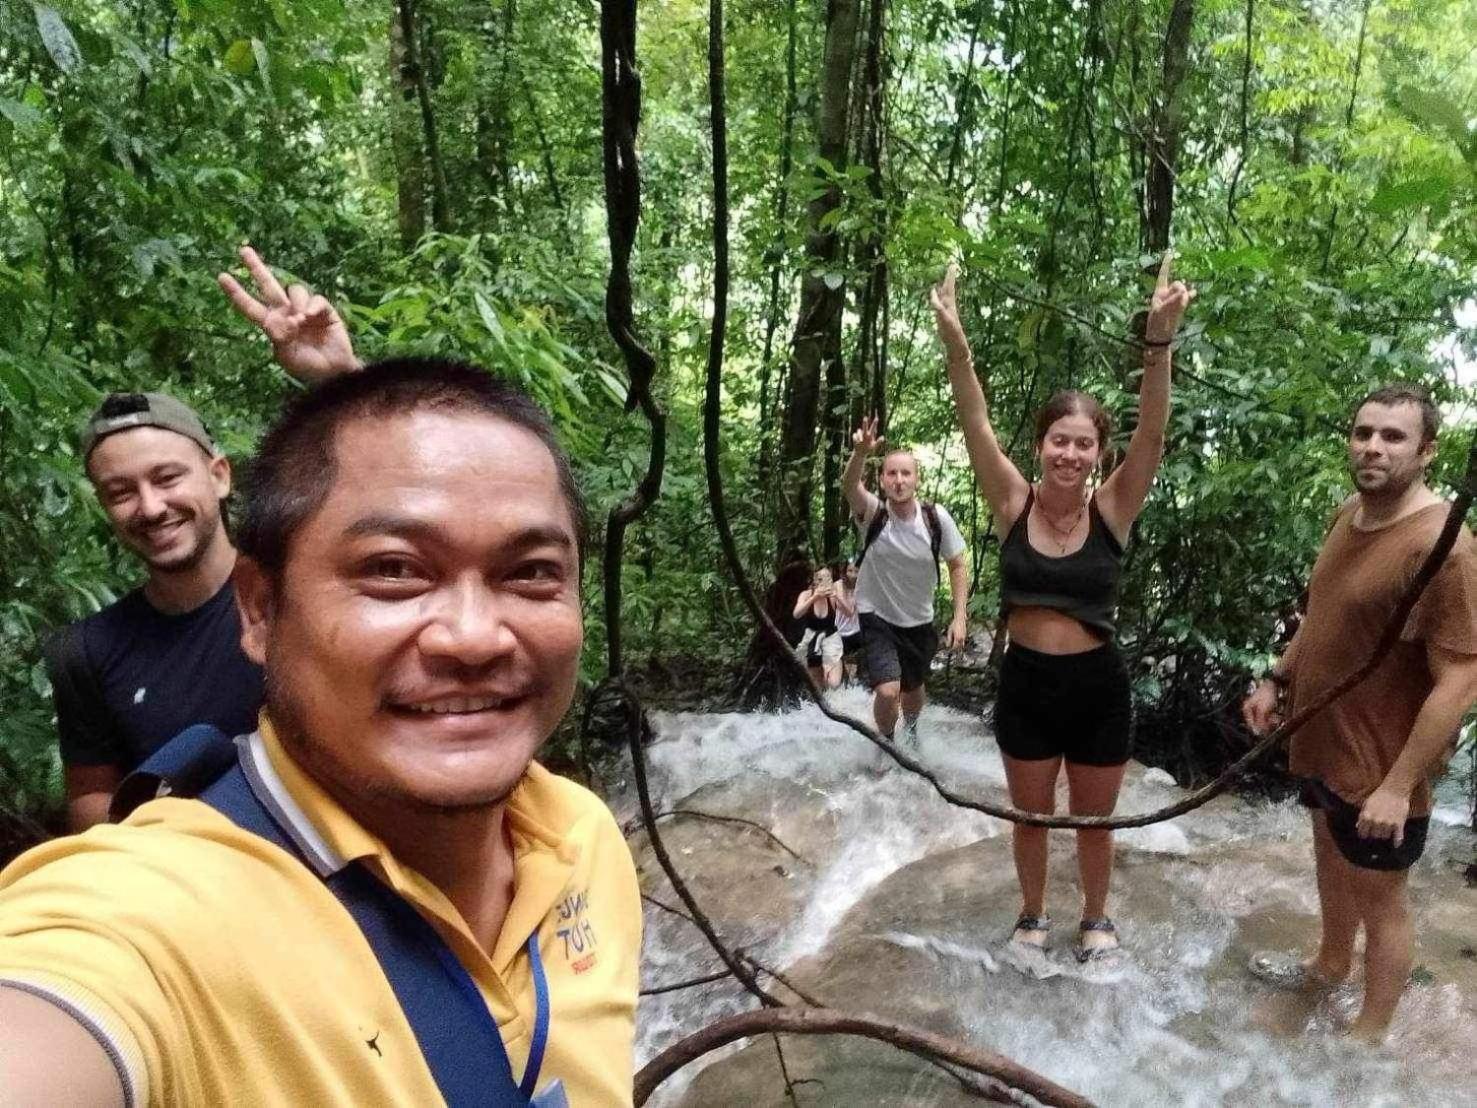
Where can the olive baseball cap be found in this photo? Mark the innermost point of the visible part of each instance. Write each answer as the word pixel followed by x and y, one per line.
pixel 122 411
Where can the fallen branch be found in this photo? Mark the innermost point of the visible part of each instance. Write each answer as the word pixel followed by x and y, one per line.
pixel 678 986
pixel 823 1021
pixel 693 813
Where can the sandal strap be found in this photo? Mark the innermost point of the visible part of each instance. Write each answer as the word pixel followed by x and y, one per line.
pixel 1104 924
pixel 1033 923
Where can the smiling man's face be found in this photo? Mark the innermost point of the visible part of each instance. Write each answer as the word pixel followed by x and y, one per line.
pixel 162 494
pixel 424 638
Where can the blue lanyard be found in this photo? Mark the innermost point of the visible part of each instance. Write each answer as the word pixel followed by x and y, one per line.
pixel 540 1019
pixel 473 996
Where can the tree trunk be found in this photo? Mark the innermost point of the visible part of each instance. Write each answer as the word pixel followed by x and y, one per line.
pixel 868 387
pixel 1165 131
pixel 410 166
pixel 493 126
pixel 777 250
pixel 821 292
pixel 415 76
pixel 833 423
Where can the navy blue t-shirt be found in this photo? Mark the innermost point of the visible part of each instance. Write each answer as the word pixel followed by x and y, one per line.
pixel 154 674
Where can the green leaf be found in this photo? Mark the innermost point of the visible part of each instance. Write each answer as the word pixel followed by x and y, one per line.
pixel 833 280
pixel 490 319
pixel 1421 192
pixel 1435 110
pixel 263 67
pixel 239 57
pixel 22 115
pixel 58 40
pixel 138 57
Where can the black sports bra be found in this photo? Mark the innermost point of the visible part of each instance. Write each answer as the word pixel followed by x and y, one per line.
pixel 825 624
pixel 1082 584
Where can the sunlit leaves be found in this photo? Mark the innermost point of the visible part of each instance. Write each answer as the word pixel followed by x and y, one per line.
pixel 58 39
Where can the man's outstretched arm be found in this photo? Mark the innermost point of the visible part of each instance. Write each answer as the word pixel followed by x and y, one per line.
pixel 48 1058
pixel 958 633
pixel 863 504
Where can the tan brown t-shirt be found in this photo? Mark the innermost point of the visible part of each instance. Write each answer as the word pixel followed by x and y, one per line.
pixel 1357 581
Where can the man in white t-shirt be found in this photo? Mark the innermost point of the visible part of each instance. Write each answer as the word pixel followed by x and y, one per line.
pixel 899 576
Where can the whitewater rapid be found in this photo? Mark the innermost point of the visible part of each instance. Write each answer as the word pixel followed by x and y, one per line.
pixel 899 903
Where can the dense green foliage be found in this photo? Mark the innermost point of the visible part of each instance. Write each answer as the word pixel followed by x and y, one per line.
pixel 1323 203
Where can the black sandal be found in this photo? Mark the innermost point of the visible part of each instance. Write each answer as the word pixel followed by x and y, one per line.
pixel 1031 923
pixel 1087 954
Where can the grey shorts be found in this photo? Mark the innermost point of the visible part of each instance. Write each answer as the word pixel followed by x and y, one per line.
pixel 901 654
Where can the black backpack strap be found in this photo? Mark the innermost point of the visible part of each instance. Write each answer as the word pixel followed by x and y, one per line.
pixel 935 534
pixel 874 528
pixel 457 1035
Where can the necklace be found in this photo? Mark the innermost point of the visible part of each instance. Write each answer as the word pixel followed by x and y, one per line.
pixel 1063 535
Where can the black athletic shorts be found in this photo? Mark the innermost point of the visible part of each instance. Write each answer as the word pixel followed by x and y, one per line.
pixel 901 654
pixel 1343 821
pixel 851 644
pixel 1074 706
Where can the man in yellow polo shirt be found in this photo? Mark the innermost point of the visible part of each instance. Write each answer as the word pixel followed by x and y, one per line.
pixel 409 579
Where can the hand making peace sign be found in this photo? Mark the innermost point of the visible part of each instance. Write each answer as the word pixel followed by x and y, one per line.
pixel 308 336
pixel 865 438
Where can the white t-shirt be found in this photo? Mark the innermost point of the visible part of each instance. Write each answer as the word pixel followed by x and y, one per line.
pixel 847 624
pixel 898 578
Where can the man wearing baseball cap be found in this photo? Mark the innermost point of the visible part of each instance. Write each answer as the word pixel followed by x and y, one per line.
pixel 168 654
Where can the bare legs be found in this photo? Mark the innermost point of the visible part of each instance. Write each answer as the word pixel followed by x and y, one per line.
pixel 1337 910
pixel 1032 789
pixel 1093 791
pixel 888 699
pixel 912 704
pixel 1349 895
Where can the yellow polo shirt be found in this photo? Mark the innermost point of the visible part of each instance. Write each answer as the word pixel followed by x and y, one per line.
pixel 217 969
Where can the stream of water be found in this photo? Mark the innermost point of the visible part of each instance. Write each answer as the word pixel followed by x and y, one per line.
pixel 899 904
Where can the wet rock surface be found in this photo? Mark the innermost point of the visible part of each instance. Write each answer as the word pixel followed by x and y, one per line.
pixel 903 905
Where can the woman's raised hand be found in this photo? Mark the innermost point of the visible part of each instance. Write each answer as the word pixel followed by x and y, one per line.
pixel 308 336
pixel 944 300
pixel 1167 305
pixel 865 438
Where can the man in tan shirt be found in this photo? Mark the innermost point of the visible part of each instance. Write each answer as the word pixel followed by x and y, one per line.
pixel 1367 760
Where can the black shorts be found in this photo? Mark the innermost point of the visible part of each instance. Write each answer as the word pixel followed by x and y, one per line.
pixel 1073 706
pixel 851 644
pixel 901 654
pixel 1343 821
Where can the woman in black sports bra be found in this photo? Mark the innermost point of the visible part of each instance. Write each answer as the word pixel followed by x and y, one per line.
pixel 818 609
pixel 1064 692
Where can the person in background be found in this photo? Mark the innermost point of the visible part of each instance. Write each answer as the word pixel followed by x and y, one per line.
pixel 168 654
pixel 1367 760
pixel 820 609
pixel 1064 695
pixel 848 623
pixel 903 540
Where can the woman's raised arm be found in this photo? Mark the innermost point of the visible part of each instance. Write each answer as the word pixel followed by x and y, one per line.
pixel 999 480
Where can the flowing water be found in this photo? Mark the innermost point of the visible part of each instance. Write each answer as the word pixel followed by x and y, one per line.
pixel 897 904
